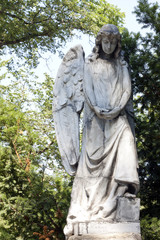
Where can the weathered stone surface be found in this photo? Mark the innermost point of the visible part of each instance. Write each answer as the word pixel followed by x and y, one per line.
pixel 124 236
pixel 106 228
pixel 128 209
pixel 106 166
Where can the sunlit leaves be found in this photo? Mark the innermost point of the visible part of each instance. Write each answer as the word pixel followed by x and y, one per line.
pixel 26 26
pixel 32 195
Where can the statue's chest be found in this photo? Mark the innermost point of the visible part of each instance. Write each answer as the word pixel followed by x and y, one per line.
pixel 106 76
pixel 105 70
pixel 107 83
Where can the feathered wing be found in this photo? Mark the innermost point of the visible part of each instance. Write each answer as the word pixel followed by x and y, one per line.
pixel 67 104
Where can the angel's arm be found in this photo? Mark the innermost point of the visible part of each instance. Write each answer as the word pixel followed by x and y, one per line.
pixel 126 87
pixel 130 115
pixel 90 95
pixel 88 87
pixel 89 91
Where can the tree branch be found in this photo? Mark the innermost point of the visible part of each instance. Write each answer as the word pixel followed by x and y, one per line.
pixel 23 39
pixel 14 16
pixel 42 151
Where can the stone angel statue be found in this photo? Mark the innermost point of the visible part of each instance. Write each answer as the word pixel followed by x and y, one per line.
pixel 106 166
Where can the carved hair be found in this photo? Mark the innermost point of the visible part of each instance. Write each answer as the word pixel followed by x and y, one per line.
pixel 111 31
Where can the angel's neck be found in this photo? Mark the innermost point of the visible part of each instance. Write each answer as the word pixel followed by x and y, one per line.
pixel 106 56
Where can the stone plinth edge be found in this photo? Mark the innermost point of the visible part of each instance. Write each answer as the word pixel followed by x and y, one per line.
pixel 93 228
pixel 124 236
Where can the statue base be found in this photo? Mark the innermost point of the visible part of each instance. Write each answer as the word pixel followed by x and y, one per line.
pixel 116 236
pixel 126 225
pixel 92 228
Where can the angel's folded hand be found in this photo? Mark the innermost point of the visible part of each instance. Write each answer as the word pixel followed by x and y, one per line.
pixel 113 113
pixel 104 111
pixel 101 112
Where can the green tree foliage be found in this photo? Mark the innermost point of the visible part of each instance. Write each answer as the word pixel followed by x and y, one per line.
pixel 33 202
pixel 28 25
pixel 143 54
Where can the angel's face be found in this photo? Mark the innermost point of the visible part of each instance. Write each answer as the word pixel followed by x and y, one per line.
pixel 109 45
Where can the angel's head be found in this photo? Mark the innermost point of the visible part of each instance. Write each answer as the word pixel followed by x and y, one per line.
pixel 108 41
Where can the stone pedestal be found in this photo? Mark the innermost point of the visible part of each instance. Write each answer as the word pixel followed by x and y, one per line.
pixel 106 228
pixel 122 236
pixel 126 225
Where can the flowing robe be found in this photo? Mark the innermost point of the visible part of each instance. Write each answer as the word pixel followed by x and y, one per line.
pixel 108 163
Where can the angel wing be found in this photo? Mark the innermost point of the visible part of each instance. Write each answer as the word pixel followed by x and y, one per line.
pixel 68 102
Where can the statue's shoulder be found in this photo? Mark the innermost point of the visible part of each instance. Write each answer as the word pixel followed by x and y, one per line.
pixel 122 61
pixel 91 58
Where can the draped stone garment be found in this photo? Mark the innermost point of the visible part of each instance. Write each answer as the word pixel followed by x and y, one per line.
pixel 108 162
